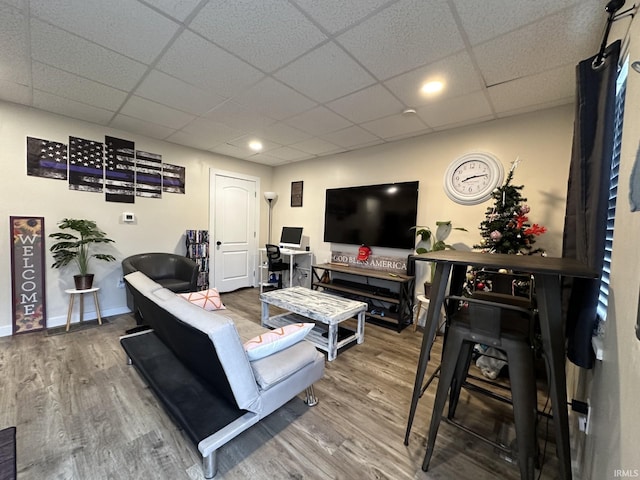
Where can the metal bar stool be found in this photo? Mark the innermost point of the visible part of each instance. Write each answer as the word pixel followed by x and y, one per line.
pixel 491 319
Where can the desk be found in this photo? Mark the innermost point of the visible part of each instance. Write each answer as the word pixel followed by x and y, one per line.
pixel 547 272
pixel 72 293
pixel 292 257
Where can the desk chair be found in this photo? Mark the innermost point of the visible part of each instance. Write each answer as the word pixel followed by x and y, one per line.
pixel 275 262
pixel 504 322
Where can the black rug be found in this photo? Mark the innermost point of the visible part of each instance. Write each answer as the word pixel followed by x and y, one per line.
pixel 8 454
pixel 75 327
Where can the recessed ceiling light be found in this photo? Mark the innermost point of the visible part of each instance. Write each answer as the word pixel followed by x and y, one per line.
pixel 409 111
pixel 255 145
pixel 430 88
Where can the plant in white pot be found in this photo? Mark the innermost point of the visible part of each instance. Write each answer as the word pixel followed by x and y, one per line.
pixel 431 241
pixel 77 248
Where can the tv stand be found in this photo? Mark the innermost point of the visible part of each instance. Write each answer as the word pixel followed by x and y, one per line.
pixel 389 295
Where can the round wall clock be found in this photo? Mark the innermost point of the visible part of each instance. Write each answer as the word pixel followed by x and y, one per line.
pixel 470 179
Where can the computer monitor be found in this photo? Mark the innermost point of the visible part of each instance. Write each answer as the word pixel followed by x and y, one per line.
pixel 291 237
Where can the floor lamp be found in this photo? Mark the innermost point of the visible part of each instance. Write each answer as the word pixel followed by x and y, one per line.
pixel 270 197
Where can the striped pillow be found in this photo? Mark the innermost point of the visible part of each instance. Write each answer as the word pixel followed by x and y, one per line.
pixel 275 340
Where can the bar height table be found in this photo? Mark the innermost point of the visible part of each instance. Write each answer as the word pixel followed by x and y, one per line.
pixel 547 272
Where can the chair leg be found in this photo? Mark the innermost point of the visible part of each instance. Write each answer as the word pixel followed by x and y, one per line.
pixel 459 376
pixel 210 465
pixel 447 369
pixel 524 395
pixel 311 399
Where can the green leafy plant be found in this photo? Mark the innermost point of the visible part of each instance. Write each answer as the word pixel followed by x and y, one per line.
pixel 76 247
pixel 431 241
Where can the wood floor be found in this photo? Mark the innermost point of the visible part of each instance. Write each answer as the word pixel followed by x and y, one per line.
pixel 82 413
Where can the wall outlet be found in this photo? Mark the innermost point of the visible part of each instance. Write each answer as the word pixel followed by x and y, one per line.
pixel 120 282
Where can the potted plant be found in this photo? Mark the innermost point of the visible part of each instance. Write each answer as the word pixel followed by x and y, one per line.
pixel 432 242
pixel 76 248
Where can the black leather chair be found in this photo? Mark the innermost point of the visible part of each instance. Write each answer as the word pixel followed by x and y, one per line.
pixel 175 272
pixel 275 262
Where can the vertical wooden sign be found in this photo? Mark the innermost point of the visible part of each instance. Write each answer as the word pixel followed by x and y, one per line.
pixel 28 274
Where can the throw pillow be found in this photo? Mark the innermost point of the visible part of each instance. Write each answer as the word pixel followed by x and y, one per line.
pixel 207 299
pixel 276 340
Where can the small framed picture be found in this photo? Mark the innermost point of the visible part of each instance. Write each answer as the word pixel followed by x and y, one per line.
pixel 296 194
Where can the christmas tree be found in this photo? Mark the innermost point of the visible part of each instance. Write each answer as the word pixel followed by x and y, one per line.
pixel 506 228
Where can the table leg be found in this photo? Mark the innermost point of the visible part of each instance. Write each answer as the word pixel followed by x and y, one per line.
pixel 265 314
pixel 552 329
pixel 95 301
pixel 431 324
pixel 70 311
pixel 332 342
pixel 360 331
pixel 81 300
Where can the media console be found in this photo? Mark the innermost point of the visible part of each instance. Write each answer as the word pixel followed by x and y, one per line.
pixel 389 295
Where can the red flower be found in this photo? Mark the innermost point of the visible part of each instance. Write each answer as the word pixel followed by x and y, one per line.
pixel 535 229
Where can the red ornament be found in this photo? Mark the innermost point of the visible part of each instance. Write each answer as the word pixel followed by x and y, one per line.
pixel 480 286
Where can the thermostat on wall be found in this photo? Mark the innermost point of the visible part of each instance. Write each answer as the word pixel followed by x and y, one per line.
pixel 128 217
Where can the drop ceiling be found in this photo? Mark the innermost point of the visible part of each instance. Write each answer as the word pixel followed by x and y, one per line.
pixel 307 78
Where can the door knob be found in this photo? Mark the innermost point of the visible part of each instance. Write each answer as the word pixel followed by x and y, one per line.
pixel 218 243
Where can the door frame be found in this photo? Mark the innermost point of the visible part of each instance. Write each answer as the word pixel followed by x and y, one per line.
pixel 213 173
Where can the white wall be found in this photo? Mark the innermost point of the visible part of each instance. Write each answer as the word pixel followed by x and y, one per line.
pixel 612 444
pixel 160 222
pixel 542 141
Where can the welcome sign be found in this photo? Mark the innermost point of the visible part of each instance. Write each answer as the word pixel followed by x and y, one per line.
pixel 27 274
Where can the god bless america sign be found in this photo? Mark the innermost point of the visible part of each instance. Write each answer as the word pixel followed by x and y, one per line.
pixel 27 274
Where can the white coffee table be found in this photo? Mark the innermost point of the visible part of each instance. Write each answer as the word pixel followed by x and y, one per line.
pixel 303 304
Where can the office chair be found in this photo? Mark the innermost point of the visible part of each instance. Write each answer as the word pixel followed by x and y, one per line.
pixel 274 260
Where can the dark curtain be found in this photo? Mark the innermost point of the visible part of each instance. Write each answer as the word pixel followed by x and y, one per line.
pixel 587 197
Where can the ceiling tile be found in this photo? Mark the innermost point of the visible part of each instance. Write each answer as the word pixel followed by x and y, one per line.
pixel 141 127
pixel 273 97
pixel 397 39
pixel 502 16
pixel 350 137
pixel 554 86
pixel 314 74
pixel 318 121
pixel 175 93
pixel 243 142
pixel 289 154
pixel 395 126
pixel 282 133
pixel 14 92
pixel 455 111
pixel 19 4
pixel 317 146
pixel 368 104
pixel 70 108
pixel 144 109
pixel 217 132
pixel 238 116
pixel 229 150
pixel 53 46
pixel 534 48
pixel 178 9
pixel 73 87
pixel 265 34
pixel 456 72
pixel 200 63
pixel 125 26
pixel 190 140
pixel 14 54
pixel 266 159
pixel 335 15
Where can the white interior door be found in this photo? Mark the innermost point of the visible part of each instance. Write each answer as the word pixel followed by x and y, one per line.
pixel 234 231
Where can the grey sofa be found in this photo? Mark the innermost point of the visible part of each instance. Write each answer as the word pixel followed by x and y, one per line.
pixel 175 272
pixel 195 363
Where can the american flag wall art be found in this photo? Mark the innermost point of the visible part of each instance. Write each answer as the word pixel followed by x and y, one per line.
pixel 120 164
pixel 85 165
pixel 46 158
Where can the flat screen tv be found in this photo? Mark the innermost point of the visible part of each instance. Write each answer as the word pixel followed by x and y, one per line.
pixel 372 215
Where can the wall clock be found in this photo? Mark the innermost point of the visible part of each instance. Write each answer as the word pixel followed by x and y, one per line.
pixel 470 179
